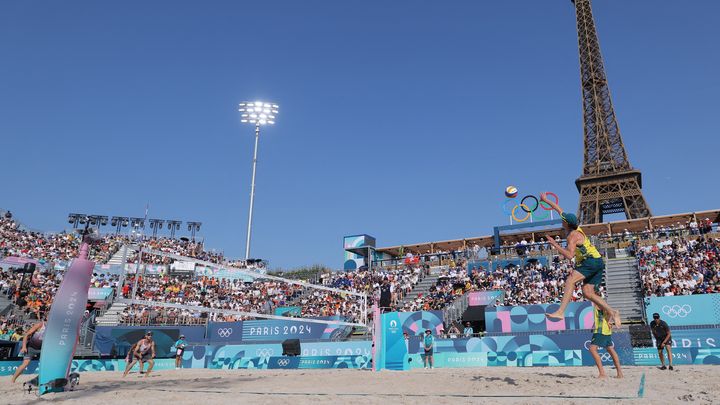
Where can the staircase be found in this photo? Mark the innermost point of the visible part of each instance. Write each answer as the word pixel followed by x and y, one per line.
pixel 421 288
pixel 111 317
pixel 5 304
pixel 117 258
pixel 624 288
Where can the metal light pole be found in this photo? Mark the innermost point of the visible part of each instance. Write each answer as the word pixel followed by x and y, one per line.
pixel 258 113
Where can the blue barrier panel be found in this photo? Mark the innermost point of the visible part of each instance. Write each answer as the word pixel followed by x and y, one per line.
pixel 224 332
pixel 701 309
pixel 649 356
pixel 394 324
pixel 557 349
pixel 700 338
pixel 116 340
pixel 275 330
pixel 8 367
pixel 531 318
pixel 229 356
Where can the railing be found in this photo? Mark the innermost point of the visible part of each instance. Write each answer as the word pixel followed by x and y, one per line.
pixel 455 310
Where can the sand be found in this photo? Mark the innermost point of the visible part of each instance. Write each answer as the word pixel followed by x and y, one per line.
pixel 699 384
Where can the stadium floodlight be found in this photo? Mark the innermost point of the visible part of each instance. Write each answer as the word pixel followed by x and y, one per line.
pixel 173 225
pixel 193 227
pixel 258 113
pixel 74 219
pixel 137 223
pixel 156 224
pixel 119 223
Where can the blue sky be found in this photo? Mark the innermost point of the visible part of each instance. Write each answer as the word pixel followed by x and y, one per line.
pixel 404 120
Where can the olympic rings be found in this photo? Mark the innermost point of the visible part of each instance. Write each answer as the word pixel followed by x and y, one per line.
pixel 504 207
pixel 527 212
pixel 546 216
pixel 522 203
pixel 549 208
pixel 530 212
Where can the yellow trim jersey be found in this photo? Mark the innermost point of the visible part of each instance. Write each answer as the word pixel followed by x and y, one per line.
pixel 586 250
pixel 601 323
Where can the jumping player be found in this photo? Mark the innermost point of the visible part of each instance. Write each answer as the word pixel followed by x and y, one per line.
pixel 31 346
pixel 589 265
pixel 602 337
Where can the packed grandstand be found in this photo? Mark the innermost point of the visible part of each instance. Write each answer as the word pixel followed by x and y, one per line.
pixel 679 259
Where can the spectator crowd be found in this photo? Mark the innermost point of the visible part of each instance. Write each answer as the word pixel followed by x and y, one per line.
pixel 680 266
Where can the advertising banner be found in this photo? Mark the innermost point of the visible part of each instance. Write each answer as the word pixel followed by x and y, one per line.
pixel 531 318
pixel 648 356
pixel 229 356
pixel 700 338
pixel 99 294
pixel 701 309
pixel 394 346
pixel 8 367
pixel 63 324
pixel 116 340
pixel 557 349
pixel 288 311
pixel 477 298
pixel 271 330
pixel 222 273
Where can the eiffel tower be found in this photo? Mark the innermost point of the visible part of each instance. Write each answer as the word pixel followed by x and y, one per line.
pixel 608 183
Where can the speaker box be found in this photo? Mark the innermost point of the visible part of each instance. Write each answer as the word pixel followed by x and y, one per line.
pixel 291 347
pixel 640 336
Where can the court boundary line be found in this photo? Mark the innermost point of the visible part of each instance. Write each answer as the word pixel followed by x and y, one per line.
pixel 395 395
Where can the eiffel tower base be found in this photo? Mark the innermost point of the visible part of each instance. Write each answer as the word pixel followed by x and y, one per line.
pixel 612 193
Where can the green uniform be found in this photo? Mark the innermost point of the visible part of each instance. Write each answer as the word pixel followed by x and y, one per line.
pixel 602 333
pixel 589 262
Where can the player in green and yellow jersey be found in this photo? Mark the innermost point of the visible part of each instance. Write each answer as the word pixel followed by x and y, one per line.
pixel 589 265
pixel 602 337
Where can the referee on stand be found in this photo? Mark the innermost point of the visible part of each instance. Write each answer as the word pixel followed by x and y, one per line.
pixel 661 332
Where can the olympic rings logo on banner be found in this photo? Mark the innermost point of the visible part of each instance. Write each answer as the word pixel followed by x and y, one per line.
pixel 605 357
pixel 675 311
pixel 225 332
pixel 264 352
pixel 283 362
pixel 529 212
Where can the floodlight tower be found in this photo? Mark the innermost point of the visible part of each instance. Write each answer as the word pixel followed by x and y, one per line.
pixel 258 113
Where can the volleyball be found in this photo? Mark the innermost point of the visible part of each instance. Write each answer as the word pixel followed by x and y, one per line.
pixel 511 191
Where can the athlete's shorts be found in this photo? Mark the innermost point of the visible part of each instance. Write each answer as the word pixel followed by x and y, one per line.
pixel 146 357
pixel 429 352
pixel 31 354
pixel 598 339
pixel 592 268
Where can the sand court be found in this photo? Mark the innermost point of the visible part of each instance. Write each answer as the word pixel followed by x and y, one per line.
pixel 698 384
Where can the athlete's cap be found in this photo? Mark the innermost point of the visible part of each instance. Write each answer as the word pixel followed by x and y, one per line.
pixel 148 333
pixel 570 218
pixel 182 336
pixel 656 316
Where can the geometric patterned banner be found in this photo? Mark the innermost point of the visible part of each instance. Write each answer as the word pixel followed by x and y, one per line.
pixel 531 318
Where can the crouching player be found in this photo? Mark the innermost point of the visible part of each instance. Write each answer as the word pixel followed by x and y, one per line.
pixel 602 337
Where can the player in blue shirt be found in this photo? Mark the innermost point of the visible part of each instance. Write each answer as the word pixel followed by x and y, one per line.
pixel 428 345
pixel 179 350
